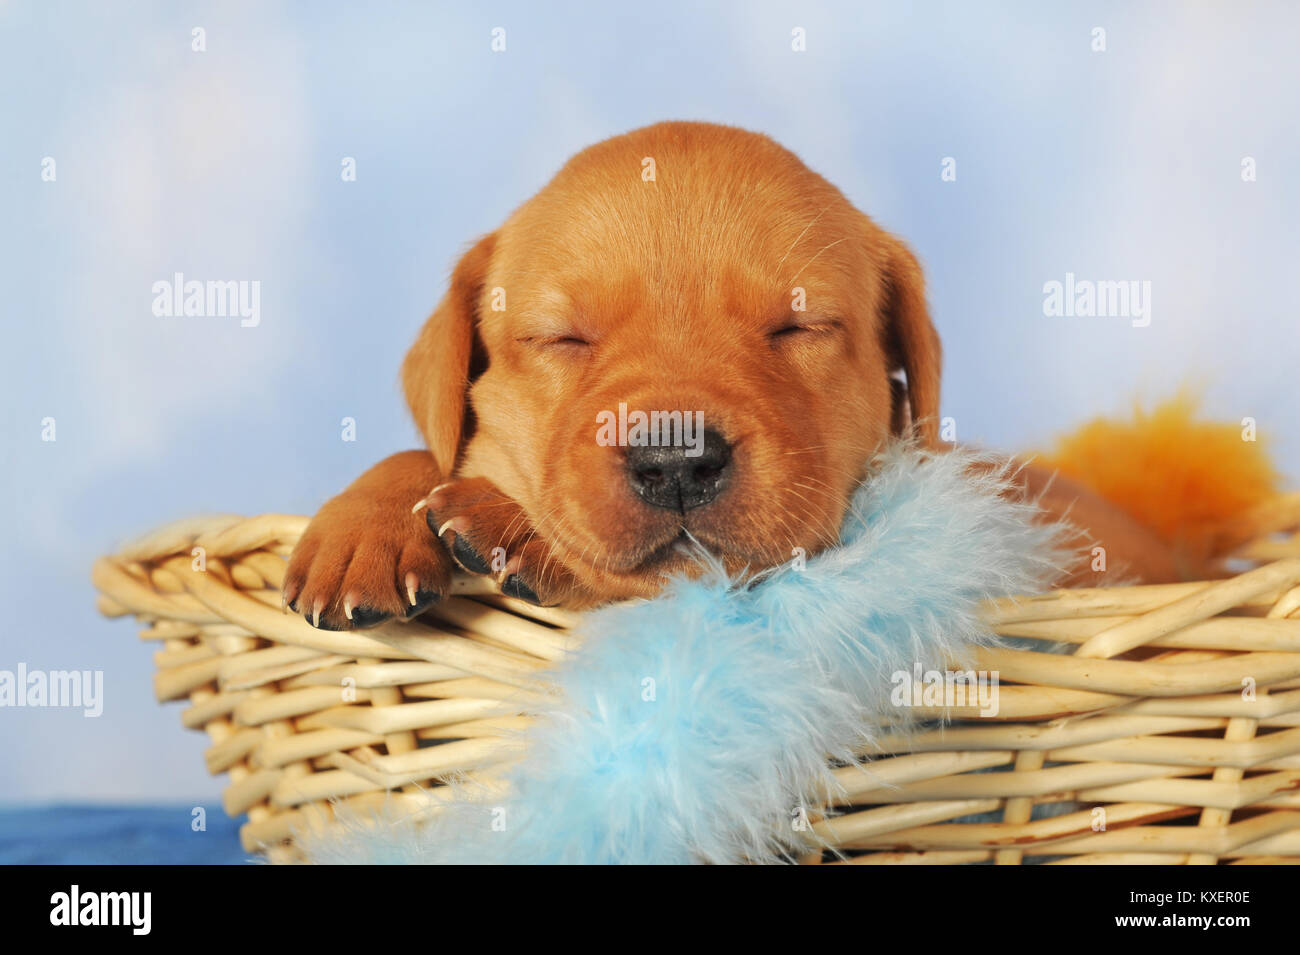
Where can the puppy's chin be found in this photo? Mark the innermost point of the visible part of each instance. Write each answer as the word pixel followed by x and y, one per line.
pixel 643 568
pixel 686 553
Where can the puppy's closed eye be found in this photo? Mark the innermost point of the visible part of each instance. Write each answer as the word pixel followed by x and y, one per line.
pixel 563 344
pixel 807 330
pixel 568 341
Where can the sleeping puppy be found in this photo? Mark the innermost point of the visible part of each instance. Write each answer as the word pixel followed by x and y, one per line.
pixel 686 335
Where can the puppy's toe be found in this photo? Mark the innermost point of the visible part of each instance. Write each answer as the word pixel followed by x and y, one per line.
pixel 476 523
pixel 313 580
pixel 534 575
pixel 466 555
pixel 489 534
pixel 516 586
pixel 357 566
pixel 423 575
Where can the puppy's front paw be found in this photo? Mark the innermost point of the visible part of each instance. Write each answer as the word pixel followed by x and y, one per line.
pixel 488 533
pixel 364 561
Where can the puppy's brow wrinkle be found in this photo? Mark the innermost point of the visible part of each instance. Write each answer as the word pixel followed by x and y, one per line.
pixel 828 245
pixel 800 236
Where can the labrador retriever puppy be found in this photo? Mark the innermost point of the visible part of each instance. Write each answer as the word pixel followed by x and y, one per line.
pixel 687 335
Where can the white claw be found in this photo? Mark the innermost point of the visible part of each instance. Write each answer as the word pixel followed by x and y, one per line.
pixel 443 529
pixel 347 608
pixel 315 615
pixel 410 588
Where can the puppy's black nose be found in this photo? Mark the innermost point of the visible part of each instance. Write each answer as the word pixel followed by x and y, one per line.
pixel 680 477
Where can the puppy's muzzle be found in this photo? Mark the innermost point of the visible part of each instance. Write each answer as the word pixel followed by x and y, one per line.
pixel 674 479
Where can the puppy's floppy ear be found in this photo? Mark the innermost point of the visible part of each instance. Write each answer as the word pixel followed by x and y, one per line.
pixel 440 365
pixel 912 343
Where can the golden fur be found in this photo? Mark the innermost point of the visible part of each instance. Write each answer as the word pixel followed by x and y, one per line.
pixel 676 292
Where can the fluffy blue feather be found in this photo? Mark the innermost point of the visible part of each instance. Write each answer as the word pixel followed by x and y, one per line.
pixel 755 684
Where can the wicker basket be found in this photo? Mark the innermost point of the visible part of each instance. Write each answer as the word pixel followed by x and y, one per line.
pixel 1171 735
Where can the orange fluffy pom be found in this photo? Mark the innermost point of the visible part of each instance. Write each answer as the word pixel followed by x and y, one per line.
pixel 1187 480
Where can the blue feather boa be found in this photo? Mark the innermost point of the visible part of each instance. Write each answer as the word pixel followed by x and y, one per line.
pixel 691 728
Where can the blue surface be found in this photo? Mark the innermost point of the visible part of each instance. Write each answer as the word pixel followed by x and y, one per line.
pixel 117 835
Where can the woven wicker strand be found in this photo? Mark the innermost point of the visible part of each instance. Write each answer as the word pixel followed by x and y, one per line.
pixel 1171 735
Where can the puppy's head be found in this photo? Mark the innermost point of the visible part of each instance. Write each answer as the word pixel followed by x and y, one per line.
pixel 686 333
